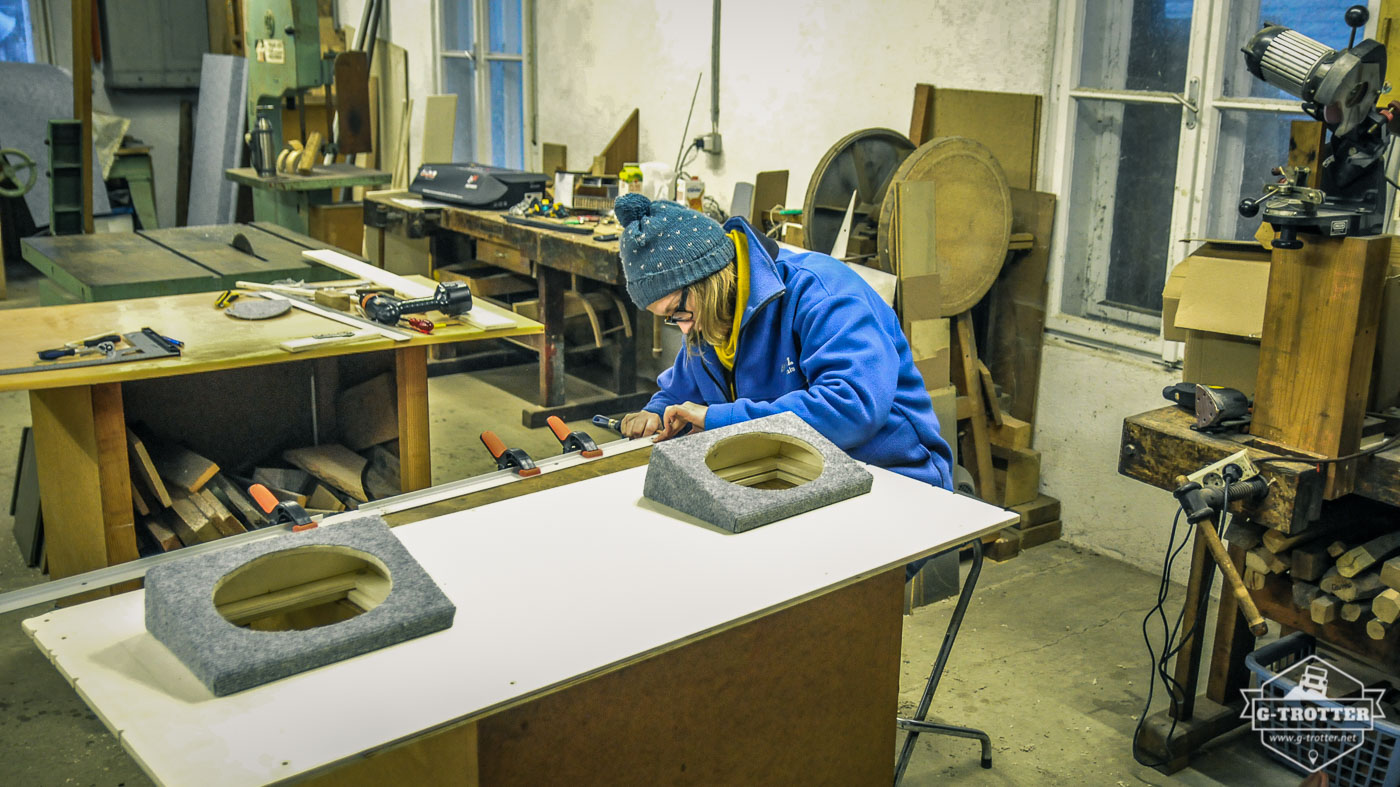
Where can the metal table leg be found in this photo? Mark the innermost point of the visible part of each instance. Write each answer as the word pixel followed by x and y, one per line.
pixel 913 727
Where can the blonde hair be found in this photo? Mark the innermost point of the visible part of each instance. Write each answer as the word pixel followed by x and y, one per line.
pixel 712 300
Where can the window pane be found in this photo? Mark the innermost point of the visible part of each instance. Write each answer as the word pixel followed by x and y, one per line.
pixel 457 26
pixel 16 44
pixel 1320 20
pixel 1138 45
pixel 1120 206
pixel 1251 144
pixel 507 114
pixel 505 26
pixel 459 77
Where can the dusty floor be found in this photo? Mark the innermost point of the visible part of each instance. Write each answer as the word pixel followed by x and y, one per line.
pixel 1050 661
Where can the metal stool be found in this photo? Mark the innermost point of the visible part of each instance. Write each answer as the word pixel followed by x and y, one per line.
pixel 913 727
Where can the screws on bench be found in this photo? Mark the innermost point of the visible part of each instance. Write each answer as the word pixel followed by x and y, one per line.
pixel 573 441
pixel 509 458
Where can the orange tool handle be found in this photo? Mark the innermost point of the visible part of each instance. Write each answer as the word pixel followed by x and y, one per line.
pixel 493 444
pixel 561 430
pixel 265 499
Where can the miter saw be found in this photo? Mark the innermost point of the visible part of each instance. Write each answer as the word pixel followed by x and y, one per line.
pixel 1338 88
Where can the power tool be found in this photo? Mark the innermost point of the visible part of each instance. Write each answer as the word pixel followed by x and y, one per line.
pixel 1217 409
pixel 452 298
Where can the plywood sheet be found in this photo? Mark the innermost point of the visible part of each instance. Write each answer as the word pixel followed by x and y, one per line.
pixel 218 139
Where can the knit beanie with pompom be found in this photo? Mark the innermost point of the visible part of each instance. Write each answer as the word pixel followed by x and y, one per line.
pixel 666 247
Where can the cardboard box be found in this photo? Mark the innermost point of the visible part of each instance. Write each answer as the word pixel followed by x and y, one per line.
pixel 1214 302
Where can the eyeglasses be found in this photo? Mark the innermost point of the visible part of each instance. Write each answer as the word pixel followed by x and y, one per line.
pixel 681 314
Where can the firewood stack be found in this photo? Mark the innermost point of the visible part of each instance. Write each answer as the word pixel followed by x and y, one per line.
pixel 1346 571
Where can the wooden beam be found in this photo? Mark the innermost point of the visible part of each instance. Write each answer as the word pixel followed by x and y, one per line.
pixel 82 97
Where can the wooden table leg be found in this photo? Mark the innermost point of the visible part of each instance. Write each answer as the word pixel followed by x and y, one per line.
pixel 411 383
pixel 552 284
pixel 625 373
pixel 84 479
pixel 1188 659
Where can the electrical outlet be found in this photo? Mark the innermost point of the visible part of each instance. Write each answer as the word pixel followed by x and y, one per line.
pixel 1212 474
pixel 712 143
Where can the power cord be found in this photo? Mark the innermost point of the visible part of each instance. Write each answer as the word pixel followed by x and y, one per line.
pixel 1158 666
pixel 1270 460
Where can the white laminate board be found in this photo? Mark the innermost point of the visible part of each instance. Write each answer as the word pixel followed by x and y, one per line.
pixel 550 588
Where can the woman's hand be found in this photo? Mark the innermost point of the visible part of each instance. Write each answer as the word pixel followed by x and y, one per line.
pixel 640 424
pixel 678 416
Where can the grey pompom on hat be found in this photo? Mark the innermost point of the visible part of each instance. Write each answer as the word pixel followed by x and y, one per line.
pixel 666 247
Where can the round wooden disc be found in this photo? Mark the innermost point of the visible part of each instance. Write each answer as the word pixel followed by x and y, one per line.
pixel 972 217
pixel 258 309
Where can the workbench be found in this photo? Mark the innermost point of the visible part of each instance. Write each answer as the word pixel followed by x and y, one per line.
pixel 676 652
pixel 233 396
pixel 1156 448
pixel 117 266
pixel 286 200
pixel 553 258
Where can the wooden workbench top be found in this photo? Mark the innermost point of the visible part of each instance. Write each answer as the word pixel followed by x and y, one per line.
pixel 213 341
pixel 323 176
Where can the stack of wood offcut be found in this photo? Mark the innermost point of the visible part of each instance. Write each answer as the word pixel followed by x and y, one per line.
pixel 182 498
pixel 1348 571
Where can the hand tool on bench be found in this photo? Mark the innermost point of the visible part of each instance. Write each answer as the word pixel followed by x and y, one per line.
pixel 614 424
pixel 452 298
pixel 1217 408
pixel 142 345
pixel 571 440
pixel 508 458
pixel 103 343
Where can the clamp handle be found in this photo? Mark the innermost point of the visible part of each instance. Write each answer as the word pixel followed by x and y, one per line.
pixel 571 440
pixel 508 458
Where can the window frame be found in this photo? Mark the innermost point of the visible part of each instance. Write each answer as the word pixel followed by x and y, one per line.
pixel 481 57
pixel 1196 156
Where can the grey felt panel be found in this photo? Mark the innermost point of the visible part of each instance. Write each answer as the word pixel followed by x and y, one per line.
pixel 31 94
pixel 180 611
pixel 677 476
pixel 218 139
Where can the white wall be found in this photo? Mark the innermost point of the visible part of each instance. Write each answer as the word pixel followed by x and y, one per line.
pixel 1085 393
pixel 795 77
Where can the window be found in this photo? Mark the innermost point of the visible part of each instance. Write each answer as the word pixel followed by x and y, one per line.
pixel 486 49
pixel 16 32
pixel 1162 131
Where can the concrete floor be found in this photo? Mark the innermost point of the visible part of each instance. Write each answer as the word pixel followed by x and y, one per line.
pixel 1050 661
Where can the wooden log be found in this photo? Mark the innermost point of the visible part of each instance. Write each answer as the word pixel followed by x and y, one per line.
pixel 162 534
pixel 1255 580
pixel 289 478
pixel 224 519
pixel 321 499
pixel 1012 432
pixel 1264 561
pixel 237 502
pixel 145 470
pixel 1355 561
pixel 1351 611
pixel 1304 593
pixel 1020 469
pixel 1361 586
pixel 1390 573
pixel 1035 535
pixel 1337 548
pixel 182 467
pixel 1386 605
pixel 1278 541
pixel 1244 534
pixel 1041 510
pixel 138 500
pixel 382 476
pixel 1324 609
pixel 189 523
pixel 1375 629
pixel 1309 562
pixel 333 464
pixel 367 414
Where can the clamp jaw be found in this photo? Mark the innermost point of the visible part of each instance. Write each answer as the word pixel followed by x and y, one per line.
pixel 571 440
pixel 509 458
pixel 282 512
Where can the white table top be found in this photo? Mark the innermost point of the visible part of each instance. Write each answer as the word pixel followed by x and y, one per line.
pixel 551 588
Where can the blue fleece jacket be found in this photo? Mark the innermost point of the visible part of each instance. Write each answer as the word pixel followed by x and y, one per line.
pixel 817 341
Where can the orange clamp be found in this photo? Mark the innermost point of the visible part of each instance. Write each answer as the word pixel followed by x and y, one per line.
pixel 493 444
pixel 265 499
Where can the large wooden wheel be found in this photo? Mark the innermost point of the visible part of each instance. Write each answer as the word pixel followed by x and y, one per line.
pixel 861 163
pixel 972 217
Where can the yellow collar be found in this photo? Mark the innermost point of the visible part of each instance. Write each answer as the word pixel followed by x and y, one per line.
pixel 727 352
